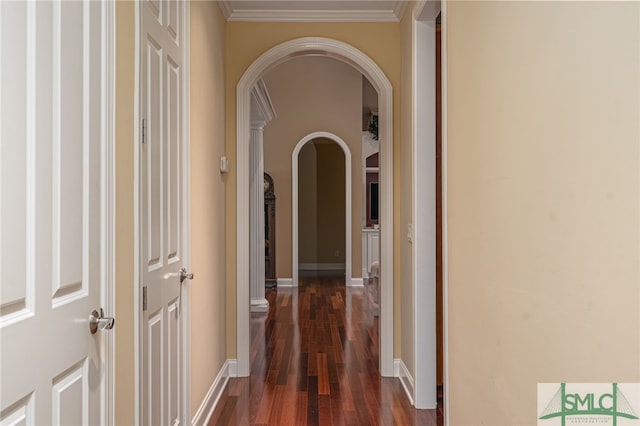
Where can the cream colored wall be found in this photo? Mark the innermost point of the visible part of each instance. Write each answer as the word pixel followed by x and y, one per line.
pixel 321 171
pixel 543 201
pixel 208 187
pixel 321 208
pixel 369 102
pixel 307 202
pixel 331 205
pixel 312 94
pixel 246 41
pixel 124 262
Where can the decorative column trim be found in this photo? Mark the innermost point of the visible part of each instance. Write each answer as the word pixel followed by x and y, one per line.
pixel 262 113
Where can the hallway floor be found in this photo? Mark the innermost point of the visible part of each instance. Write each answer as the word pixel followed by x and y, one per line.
pixel 314 361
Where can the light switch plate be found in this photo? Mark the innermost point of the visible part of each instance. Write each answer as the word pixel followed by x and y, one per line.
pixel 224 164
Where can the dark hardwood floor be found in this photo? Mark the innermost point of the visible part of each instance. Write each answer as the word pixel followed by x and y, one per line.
pixel 314 361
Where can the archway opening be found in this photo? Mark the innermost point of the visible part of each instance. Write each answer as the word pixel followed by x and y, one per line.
pixel 321 190
pixel 364 64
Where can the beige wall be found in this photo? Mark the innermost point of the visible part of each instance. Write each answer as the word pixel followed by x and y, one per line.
pixel 369 102
pixel 543 201
pixel 246 41
pixel 208 291
pixel 321 203
pixel 125 236
pixel 308 204
pixel 331 205
pixel 312 94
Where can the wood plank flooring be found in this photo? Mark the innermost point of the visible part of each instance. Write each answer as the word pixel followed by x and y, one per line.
pixel 314 361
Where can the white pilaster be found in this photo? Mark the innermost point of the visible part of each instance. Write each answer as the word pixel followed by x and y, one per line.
pixel 256 226
pixel 261 114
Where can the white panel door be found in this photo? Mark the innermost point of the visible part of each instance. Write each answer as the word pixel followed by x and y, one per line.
pixel 161 208
pixel 52 204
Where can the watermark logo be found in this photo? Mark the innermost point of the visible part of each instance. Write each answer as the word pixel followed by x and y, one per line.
pixel 562 404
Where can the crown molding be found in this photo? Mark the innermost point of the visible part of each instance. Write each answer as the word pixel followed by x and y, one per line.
pixel 314 15
pixel 226 8
pixel 400 9
pixel 262 110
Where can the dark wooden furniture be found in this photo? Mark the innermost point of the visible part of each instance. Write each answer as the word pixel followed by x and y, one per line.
pixel 269 232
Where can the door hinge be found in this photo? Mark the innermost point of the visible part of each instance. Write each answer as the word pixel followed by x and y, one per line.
pixel 144 298
pixel 144 130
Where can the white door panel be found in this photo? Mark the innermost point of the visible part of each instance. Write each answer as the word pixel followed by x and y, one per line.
pixel 162 203
pixel 52 206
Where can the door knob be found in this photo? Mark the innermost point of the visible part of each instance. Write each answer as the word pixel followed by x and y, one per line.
pixel 97 321
pixel 184 275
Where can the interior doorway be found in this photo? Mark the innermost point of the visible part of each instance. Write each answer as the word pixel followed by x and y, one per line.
pixel 360 61
pixel 321 190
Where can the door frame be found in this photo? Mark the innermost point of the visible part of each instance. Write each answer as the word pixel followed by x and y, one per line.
pixel 445 224
pixel 271 58
pixel 185 307
pixel 422 387
pixel 347 206
pixel 108 296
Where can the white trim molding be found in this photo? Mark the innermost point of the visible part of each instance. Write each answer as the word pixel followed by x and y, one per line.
pixel 211 399
pixel 445 222
pixel 262 112
pixel 407 380
pixel 423 382
pixel 284 282
pixel 226 8
pixel 233 367
pixel 186 211
pixel 109 199
pixel 363 63
pixel 137 287
pixel 294 204
pixel 357 282
pixel 320 13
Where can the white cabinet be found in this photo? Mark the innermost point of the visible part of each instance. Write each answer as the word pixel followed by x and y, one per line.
pixel 370 249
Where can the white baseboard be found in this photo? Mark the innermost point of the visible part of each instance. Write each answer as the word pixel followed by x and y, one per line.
pixel 396 367
pixel 405 377
pixel 356 282
pixel 233 367
pixel 206 409
pixel 259 305
pixel 285 282
pixel 321 266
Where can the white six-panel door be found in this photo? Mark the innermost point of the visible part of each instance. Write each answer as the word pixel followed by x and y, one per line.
pixel 52 211
pixel 161 205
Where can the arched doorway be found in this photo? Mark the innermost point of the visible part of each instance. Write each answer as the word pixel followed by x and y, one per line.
pixel 348 199
pixel 354 57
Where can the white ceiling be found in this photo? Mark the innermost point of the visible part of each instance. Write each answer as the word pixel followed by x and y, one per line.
pixel 313 10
